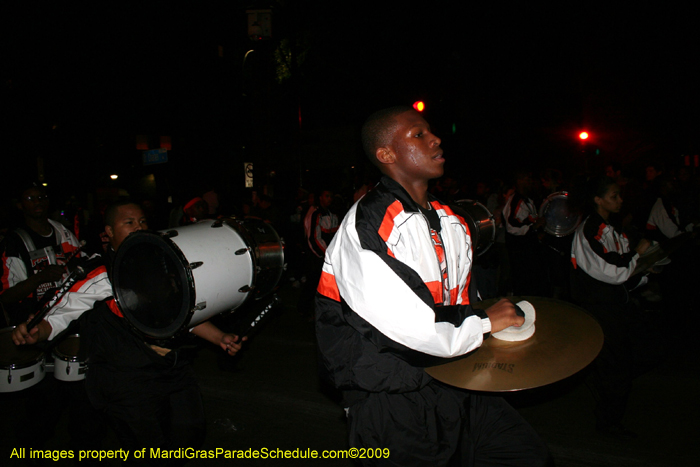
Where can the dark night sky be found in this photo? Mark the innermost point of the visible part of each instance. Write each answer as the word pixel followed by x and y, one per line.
pixel 517 81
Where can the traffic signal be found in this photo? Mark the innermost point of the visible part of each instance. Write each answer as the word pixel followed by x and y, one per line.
pixel 583 135
pixel 419 106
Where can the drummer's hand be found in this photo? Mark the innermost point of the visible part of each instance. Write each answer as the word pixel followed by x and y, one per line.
pixel 51 273
pixel 231 343
pixel 642 246
pixel 502 315
pixel 20 335
pixel 539 223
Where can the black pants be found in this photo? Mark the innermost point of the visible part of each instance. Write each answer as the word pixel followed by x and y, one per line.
pixel 151 401
pixel 632 344
pixel 444 426
pixel 147 411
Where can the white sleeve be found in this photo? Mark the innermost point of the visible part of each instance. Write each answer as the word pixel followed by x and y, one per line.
pixel 16 270
pixel 78 300
pixel 661 219
pixel 383 299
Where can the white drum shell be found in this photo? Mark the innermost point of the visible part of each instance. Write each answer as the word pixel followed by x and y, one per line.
pixel 223 273
pixel 67 366
pixel 18 376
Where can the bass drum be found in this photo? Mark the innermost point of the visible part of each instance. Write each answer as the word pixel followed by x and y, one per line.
pixel 482 226
pixel 167 282
pixel 560 215
pixel 21 366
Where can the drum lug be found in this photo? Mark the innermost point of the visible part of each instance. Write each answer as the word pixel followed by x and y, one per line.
pixel 245 289
pixel 242 251
pixel 171 233
pixel 9 376
pixel 196 264
pixel 200 306
pixel 217 223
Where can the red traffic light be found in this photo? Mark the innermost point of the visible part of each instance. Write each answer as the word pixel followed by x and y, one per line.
pixel 583 135
pixel 419 106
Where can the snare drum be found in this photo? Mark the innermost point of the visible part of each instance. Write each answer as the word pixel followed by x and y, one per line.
pixel 166 282
pixel 21 366
pixel 561 217
pixel 67 366
pixel 482 226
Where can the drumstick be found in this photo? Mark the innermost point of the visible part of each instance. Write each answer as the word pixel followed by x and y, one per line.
pixel 75 252
pixel 49 294
pixel 256 321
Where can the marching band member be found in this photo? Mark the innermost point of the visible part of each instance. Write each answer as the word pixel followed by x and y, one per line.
pixel 602 279
pixel 394 298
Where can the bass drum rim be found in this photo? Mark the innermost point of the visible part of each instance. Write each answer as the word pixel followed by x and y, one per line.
pixel 268 263
pixel 481 224
pixel 557 230
pixel 184 273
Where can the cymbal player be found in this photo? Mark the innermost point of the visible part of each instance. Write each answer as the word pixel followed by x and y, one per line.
pixel 394 298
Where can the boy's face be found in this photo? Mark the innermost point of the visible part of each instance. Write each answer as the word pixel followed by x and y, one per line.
pixel 417 149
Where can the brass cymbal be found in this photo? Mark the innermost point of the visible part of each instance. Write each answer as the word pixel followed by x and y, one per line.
pixel 566 340
pixel 656 253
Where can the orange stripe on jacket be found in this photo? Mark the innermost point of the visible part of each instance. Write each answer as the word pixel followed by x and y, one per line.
pixel 599 235
pixel 465 291
pixel 5 273
pixel 388 222
pixel 112 304
pixel 328 287
pixel 435 288
pixel 92 274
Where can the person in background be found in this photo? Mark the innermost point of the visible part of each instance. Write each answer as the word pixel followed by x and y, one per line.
pixel 603 262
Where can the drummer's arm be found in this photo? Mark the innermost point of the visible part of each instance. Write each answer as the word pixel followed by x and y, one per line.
pixel 40 332
pixel 21 290
pixel 228 342
pixel 642 246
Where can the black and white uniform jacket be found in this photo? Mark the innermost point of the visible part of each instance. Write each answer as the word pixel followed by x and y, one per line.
pixel 664 221
pixel 519 213
pixel 601 252
pixel 386 305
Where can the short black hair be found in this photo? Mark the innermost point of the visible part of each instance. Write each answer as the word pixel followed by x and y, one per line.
pixel 26 185
pixel 110 215
pixel 378 128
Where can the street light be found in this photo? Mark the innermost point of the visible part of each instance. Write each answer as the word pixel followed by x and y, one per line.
pixel 419 106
